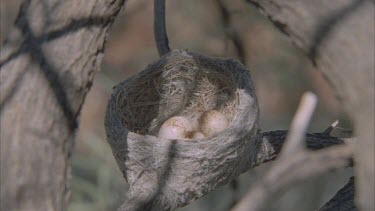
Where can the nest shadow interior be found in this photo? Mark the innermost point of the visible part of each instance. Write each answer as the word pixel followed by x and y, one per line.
pixel 181 83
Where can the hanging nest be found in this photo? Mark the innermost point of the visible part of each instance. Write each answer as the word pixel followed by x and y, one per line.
pixel 164 174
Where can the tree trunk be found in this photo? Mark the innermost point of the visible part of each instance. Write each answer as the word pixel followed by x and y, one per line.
pixel 47 67
pixel 338 36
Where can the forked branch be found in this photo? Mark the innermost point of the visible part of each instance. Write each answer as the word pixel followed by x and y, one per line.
pixel 295 163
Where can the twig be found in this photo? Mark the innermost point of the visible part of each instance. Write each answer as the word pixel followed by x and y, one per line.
pixel 295 163
pixel 298 167
pixel 331 127
pixel 272 142
pixel 344 198
pixel 299 124
pixel 160 30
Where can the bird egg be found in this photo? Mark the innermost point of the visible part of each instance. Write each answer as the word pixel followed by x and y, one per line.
pixel 213 122
pixel 176 127
pixel 198 135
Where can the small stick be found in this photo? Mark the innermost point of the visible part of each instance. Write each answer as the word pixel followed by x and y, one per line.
pixel 295 164
pixel 331 127
pixel 299 124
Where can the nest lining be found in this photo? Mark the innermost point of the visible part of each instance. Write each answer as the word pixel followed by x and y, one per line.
pixel 178 86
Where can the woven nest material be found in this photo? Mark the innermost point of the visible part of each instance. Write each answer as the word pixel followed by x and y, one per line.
pixel 165 174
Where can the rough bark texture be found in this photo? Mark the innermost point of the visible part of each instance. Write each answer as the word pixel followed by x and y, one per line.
pixel 273 141
pixel 343 200
pixel 47 67
pixel 338 36
pixel 290 169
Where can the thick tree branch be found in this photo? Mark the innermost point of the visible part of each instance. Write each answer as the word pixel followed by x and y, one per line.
pixel 47 67
pixel 273 141
pixel 339 38
pixel 343 200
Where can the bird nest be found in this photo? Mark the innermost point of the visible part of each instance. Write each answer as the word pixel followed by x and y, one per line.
pixel 168 173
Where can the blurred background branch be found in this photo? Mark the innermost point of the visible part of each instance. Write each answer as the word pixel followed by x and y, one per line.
pixel 295 163
pixel 325 31
pixel 47 67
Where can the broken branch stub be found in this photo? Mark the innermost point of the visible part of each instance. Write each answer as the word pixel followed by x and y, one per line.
pixel 164 174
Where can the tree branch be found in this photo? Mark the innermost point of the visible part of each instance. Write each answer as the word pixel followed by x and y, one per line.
pixel 339 38
pixel 273 141
pixel 230 32
pixel 295 163
pixel 343 199
pixel 296 168
pixel 299 124
pixel 47 67
pixel 160 30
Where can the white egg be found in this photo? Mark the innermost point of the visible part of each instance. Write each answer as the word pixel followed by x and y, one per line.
pixel 198 135
pixel 176 127
pixel 213 122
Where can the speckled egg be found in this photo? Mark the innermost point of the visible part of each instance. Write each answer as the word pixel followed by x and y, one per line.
pixel 198 135
pixel 176 127
pixel 213 122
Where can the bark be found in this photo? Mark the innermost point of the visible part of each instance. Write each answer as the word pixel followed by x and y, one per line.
pixel 294 162
pixel 273 141
pixel 338 36
pixel 343 200
pixel 291 169
pixel 47 67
